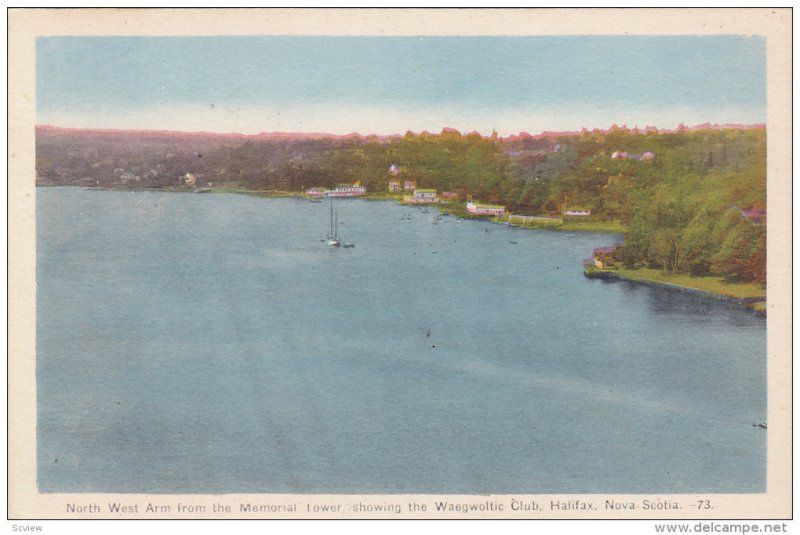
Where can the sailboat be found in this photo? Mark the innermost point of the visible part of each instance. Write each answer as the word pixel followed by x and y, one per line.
pixel 333 235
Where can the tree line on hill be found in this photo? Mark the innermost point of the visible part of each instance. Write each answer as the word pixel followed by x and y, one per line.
pixel 691 200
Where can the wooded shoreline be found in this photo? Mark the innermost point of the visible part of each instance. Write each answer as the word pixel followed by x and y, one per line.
pixel 689 201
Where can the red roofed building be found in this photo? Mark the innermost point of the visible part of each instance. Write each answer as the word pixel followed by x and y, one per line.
pixel 603 257
pixel 757 217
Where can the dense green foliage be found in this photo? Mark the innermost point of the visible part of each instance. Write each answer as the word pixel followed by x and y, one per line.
pixel 685 214
pixel 682 208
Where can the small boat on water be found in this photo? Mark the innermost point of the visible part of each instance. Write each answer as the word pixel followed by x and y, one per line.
pixel 333 235
pixel 333 239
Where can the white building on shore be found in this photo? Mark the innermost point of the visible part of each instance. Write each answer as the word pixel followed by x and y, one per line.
pixel 346 190
pixel 422 196
pixel 478 208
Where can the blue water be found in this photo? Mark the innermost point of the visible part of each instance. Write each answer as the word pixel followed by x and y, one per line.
pixel 212 344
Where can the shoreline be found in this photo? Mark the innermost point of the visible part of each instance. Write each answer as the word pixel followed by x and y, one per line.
pixel 456 209
pixel 746 294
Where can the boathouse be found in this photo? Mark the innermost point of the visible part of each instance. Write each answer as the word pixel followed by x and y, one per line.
pixel 347 190
pixel 422 196
pixel 477 208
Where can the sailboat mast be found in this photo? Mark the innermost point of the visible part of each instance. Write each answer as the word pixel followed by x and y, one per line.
pixel 331 231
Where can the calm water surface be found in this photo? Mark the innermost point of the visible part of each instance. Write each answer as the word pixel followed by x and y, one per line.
pixel 212 344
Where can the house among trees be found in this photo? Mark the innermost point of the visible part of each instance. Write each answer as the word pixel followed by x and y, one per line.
pixel 603 257
pixel 394 185
pixel 449 195
pixel 756 217
pixel 410 185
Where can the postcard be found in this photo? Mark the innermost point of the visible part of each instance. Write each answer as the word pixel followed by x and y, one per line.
pixel 400 264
